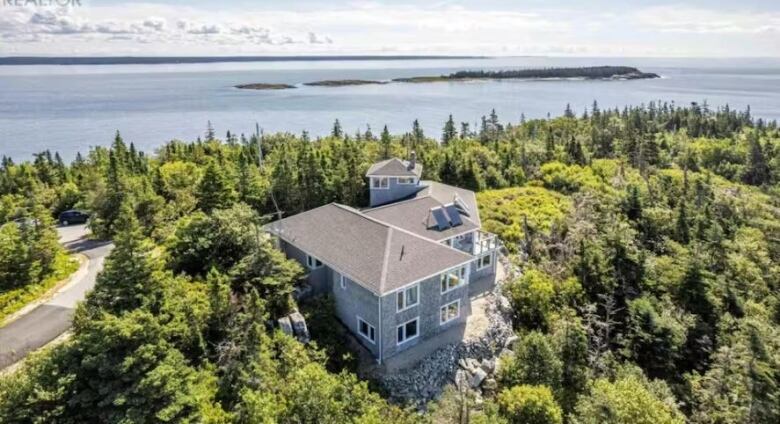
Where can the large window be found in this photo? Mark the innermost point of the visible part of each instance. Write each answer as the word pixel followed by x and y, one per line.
pixel 312 262
pixel 453 279
pixel 407 298
pixel 408 331
pixel 380 182
pixel 485 261
pixel 449 312
pixel 366 330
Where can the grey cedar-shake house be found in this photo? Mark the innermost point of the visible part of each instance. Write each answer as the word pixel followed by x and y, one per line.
pixel 400 270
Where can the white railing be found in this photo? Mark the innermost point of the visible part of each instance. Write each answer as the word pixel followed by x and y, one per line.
pixel 486 242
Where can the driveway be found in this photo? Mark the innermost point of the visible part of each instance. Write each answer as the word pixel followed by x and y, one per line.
pixel 52 318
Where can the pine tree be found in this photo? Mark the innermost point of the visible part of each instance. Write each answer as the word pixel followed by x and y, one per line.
pixel 386 143
pixel 449 132
pixel 337 132
pixel 214 190
pixel 757 170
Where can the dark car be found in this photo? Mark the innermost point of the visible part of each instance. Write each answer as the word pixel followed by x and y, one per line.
pixel 73 217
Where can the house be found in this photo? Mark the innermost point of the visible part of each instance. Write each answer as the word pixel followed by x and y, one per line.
pixel 400 270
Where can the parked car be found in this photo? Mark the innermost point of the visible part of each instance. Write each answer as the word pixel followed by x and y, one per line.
pixel 73 217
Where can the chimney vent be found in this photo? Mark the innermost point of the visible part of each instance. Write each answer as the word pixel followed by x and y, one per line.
pixel 412 160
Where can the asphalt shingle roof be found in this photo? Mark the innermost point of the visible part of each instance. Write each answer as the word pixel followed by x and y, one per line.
pixel 379 256
pixel 415 215
pixel 394 168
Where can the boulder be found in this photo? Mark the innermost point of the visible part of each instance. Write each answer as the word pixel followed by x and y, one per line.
pixel 488 365
pixel 490 385
pixel 477 378
pixel 473 365
pixel 286 326
pixel 510 341
pixel 461 379
pixel 299 326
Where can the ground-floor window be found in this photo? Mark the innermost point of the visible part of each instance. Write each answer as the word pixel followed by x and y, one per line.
pixel 449 312
pixel 485 261
pixel 366 330
pixel 408 330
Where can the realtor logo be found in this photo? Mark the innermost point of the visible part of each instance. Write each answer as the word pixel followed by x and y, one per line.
pixel 41 3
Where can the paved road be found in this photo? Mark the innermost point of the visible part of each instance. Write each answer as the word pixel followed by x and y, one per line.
pixel 52 318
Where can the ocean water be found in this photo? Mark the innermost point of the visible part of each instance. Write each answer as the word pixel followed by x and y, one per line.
pixel 70 108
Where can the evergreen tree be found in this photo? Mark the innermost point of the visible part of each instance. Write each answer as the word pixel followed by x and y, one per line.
pixel 449 133
pixel 386 143
pixel 215 190
pixel 337 132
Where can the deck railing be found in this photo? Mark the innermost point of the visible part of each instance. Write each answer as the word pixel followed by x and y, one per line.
pixel 486 242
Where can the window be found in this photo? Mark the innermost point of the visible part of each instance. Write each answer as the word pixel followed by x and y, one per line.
pixel 408 297
pixel 380 182
pixel 408 331
pixel 405 180
pixel 449 312
pixel 366 330
pixel 342 282
pixel 485 261
pixel 453 279
pixel 312 262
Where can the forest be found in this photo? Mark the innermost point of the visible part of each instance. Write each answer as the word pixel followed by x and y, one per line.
pixel 649 239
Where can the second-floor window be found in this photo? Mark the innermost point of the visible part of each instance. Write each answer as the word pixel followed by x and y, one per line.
pixel 312 262
pixel 407 298
pixel 453 279
pixel 485 261
pixel 405 180
pixel 380 182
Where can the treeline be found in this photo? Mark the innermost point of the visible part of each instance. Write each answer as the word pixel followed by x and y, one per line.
pixel 590 72
pixel 649 236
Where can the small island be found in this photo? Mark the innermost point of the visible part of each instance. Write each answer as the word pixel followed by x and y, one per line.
pixel 264 86
pixel 342 83
pixel 590 73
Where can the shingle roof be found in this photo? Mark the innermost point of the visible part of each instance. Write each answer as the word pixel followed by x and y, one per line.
pixel 446 194
pixel 415 215
pixel 378 256
pixel 394 168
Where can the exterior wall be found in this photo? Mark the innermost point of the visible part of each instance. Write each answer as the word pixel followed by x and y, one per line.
pixel 319 279
pixel 431 300
pixel 353 301
pixel 477 274
pixel 393 192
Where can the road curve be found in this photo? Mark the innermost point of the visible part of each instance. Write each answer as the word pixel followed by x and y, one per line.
pixel 52 318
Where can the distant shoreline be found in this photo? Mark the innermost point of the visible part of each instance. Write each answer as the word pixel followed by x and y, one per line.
pixel 172 60
pixel 605 73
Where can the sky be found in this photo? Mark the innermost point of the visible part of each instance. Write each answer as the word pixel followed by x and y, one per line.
pixel 598 28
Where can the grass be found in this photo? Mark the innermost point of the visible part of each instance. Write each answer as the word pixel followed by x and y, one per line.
pixel 14 300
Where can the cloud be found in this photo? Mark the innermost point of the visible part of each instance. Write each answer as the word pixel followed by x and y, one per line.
pixel 683 19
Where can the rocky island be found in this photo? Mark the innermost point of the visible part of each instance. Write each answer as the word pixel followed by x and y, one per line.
pixel 342 83
pixel 264 86
pixel 591 73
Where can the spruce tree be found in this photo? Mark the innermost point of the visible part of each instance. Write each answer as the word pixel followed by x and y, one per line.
pixel 214 190
pixel 386 143
pixel 449 132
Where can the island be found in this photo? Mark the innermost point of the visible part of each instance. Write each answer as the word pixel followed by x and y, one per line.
pixel 342 83
pixel 590 73
pixel 264 86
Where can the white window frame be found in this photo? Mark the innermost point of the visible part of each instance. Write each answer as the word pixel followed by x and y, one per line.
pixel 342 282
pixel 460 273
pixel 403 295
pixel 406 338
pixel 371 330
pixel 374 180
pixel 480 265
pixel 405 180
pixel 446 308
pixel 312 261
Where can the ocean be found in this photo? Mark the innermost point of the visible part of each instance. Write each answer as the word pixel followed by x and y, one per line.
pixel 70 108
